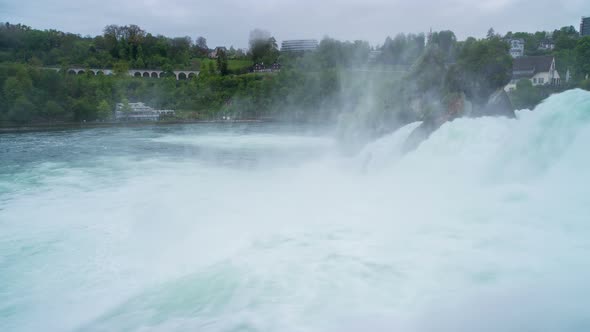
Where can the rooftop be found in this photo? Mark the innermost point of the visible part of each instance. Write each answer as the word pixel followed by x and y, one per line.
pixel 530 65
pixel 299 45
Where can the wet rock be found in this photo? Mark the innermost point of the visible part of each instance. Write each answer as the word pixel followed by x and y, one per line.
pixel 420 134
pixel 498 104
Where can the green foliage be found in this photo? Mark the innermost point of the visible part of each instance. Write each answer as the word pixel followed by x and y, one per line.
pixel 565 38
pixel 429 71
pixel 263 47
pixel 104 110
pixel 402 50
pixel 125 108
pixel 565 59
pixel 526 96
pixel 446 41
pixel 233 65
pixel 18 85
pixel 211 68
pixel 336 78
pixel 53 110
pixel 22 111
pixel 582 55
pixel 121 68
pixel 331 54
pixel 201 45
pixel 222 66
pixel 491 33
pixel 130 44
pixel 139 64
pixel 486 67
pixel 531 41
pixel 32 95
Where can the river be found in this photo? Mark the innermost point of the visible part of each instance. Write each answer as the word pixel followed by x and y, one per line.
pixel 268 227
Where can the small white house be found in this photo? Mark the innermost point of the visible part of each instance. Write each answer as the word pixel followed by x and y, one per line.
pixel 546 45
pixel 516 47
pixel 540 70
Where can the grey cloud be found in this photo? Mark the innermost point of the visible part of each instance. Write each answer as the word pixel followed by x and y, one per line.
pixel 228 22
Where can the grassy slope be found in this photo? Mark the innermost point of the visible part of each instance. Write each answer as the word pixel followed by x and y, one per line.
pixel 232 64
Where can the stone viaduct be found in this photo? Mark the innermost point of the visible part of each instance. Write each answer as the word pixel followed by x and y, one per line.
pixel 147 73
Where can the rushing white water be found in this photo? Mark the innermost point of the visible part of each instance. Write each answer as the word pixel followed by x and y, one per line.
pixel 485 227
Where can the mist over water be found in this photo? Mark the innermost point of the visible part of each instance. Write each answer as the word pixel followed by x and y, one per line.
pixel 268 228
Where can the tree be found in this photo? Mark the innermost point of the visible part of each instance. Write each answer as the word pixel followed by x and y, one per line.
pixel 222 62
pixel 485 66
pixel 263 47
pixel 111 37
pixel 565 38
pixel 18 85
pixel 491 33
pixel 402 49
pixel 526 96
pixel 139 64
pixel 22 111
pixel 258 35
pixel 211 68
pixel 168 71
pixel 121 68
pixel 201 44
pixel 393 49
pixel 178 50
pixel 582 54
pixel 429 71
pixel 53 110
pixel 126 109
pixel 104 110
pixel 445 40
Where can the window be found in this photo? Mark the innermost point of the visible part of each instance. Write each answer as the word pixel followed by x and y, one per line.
pixel 541 80
pixel 534 81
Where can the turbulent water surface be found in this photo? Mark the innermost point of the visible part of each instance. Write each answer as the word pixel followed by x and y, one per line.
pixel 485 227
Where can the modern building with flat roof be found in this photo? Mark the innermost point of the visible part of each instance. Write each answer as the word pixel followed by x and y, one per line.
pixel 585 26
pixel 299 45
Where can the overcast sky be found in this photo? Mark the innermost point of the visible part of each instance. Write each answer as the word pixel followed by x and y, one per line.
pixel 228 22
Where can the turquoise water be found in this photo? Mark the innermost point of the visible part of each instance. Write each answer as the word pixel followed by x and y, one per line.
pixel 265 227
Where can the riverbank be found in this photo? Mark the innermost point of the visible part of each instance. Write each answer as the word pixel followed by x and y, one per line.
pixel 87 125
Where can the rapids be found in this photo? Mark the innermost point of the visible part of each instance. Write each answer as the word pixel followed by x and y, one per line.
pixel 266 227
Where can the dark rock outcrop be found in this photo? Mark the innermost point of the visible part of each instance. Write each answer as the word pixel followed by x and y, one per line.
pixel 420 134
pixel 498 104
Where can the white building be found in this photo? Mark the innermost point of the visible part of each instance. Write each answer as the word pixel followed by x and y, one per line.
pixel 140 112
pixel 300 45
pixel 540 70
pixel 516 47
pixel 546 45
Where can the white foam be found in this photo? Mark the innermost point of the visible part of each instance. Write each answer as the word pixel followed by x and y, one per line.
pixel 483 227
